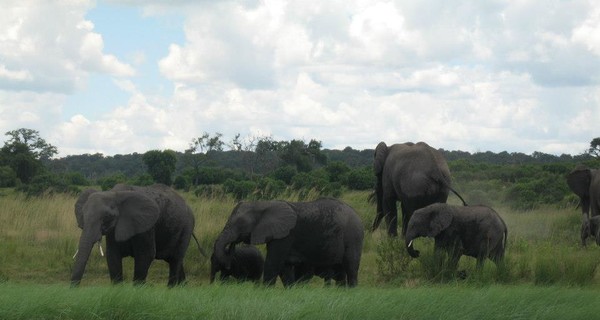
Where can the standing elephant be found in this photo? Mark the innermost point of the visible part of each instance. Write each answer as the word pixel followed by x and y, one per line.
pixel 145 223
pixel 475 231
pixel 247 263
pixel 417 175
pixel 322 233
pixel 585 183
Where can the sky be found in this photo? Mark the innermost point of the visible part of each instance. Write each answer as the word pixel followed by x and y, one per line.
pixel 125 76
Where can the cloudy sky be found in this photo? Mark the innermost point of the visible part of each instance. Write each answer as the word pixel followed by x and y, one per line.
pixel 124 76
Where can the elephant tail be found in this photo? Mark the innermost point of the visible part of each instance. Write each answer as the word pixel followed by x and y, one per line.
pixel 458 195
pixel 202 252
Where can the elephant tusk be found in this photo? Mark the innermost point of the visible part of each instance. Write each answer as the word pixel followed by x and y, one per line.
pixel 100 246
pixel 410 243
pixel 75 255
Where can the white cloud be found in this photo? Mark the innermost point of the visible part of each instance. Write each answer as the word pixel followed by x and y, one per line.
pixel 50 46
pixel 474 76
pixel 588 32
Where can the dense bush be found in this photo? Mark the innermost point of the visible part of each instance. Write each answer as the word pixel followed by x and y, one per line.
pixel 109 182
pixel 8 177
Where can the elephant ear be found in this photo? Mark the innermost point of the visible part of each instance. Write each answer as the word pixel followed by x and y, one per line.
pixel 137 214
pixel 381 152
pixel 275 221
pixel 83 198
pixel 440 220
pixel 579 181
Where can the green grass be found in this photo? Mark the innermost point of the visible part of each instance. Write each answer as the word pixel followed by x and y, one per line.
pixel 547 273
pixel 247 302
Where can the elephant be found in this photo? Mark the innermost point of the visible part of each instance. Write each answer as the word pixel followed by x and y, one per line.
pixel 321 233
pixel 145 223
pixel 247 263
pixel 417 175
pixel 475 231
pixel 593 227
pixel 585 183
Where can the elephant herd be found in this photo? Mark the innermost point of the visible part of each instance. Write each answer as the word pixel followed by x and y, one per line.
pixel 321 238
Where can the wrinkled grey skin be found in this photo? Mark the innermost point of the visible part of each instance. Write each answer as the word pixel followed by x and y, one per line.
pixel 585 183
pixel 417 175
pixel 475 231
pixel 145 223
pixel 322 233
pixel 247 264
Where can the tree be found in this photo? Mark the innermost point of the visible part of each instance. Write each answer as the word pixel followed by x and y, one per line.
pixel 38 147
pixel 24 152
pixel 197 154
pixel 161 165
pixel 297 153
pixel 594 149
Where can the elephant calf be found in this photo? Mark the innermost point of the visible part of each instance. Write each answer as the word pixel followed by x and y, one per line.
pixel 475 231
pixel 247 263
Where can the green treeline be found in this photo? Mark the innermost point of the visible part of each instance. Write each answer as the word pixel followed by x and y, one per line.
pixel 263 168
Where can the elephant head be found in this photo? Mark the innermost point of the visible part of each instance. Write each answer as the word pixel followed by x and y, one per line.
pixel 254 223
pixel 579 181
pixel 122 213
pixel 427 222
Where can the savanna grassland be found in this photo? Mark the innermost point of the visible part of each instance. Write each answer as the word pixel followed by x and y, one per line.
pixel 547 273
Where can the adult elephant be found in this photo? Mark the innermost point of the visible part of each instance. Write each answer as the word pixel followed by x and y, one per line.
pixel 145 223
pixel 585 183
pixel 322 233
pixel 417 175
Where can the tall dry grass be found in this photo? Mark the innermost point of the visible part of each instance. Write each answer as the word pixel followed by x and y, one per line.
pixel 38 237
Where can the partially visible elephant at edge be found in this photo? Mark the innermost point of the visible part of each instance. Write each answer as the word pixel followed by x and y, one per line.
pixel 475 231
pixel 145 223
pixel 322 233
pixel 247 263
pixel 593 226
pixel 585 183
pixel 417 175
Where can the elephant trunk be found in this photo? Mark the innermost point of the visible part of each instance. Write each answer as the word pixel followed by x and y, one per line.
pixel 221 254
pixel 410 248
pixel 86 243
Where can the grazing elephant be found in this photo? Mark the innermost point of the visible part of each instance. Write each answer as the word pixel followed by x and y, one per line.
pixel 475 231
pixel 585 183
pixel 247 263
pixel 322 233
pixel 145 223
pixel 417 175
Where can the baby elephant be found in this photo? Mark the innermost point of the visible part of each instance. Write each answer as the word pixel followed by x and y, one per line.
pixel 475 231
pixel 246 264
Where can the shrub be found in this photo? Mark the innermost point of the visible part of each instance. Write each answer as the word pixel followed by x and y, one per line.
pixel 181 183
pixel 108 182
pixel 360 179
pixel 239 189
pixel 8 177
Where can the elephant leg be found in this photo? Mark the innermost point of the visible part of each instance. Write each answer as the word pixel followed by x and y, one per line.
pixel 277 252
pixel 390 210
pixel 114 262
pixel 349 269
pixel 176 273
pixel 140 270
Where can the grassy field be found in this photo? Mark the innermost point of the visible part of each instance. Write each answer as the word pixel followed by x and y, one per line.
pixel 545 266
